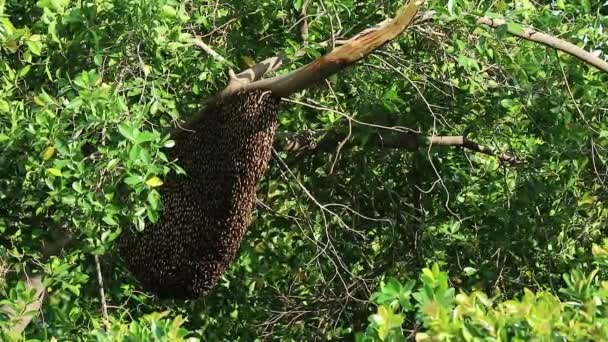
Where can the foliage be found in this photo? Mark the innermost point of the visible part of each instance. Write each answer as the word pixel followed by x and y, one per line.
pixel 578 315
pixel 90 89
pixel 152 327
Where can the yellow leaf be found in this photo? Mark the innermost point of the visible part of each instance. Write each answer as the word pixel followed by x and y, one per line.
pixel 48 153
pixel 421 337
pixel 598 251
pixel 55 172
pixel 147 69
pixel 154 182
pixel 587 200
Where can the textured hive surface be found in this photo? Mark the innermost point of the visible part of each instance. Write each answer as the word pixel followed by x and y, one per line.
pixel 207 211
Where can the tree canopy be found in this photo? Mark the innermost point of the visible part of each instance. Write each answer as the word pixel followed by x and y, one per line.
pixel 449 186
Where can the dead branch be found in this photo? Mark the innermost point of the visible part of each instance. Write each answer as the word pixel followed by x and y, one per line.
pixel 354 49
pixel 550 41
pixel 313 141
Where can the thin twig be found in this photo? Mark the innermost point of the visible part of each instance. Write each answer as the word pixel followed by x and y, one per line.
pixel 200 44
pixel 350 131
pixel 102 295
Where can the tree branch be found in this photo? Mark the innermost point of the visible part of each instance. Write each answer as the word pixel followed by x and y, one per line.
pixel 35 283
pixel 201 45
pixel 303 22
pixel 313 141
pixel 550 41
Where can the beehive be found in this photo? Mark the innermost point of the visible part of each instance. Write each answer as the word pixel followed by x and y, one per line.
pixel 206 212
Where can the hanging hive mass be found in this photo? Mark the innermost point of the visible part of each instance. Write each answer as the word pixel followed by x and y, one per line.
pixel 206 212
pixel 225 152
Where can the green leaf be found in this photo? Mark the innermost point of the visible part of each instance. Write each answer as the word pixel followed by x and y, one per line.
pixel 134 154
pixel 152 215
pixel 515 28
pixel 133 180
pixel 127 131
pixel 98 60
pixel 73 288
pixel 154 199
pixel 168 11
pixel 145 157
pixel 507 103
pixel 69 200
pixel 386 321
pixel 57 6
pixel 469 271
pixel 25 70
pixel 109 221
pixel 146 136
pixel 34 45
pixel 4 106
pixel 77 186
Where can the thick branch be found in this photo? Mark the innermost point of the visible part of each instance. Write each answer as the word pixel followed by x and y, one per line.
pixel 354 49
pixel 326 141
pixel 550 41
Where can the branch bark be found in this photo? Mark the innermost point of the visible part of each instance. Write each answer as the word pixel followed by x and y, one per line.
pixel 314 141
pixel 550 41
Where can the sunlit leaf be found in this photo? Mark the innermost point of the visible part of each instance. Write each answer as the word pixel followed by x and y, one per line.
pixel 154 182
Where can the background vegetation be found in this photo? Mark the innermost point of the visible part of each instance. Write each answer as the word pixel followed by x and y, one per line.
pixel 362 242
